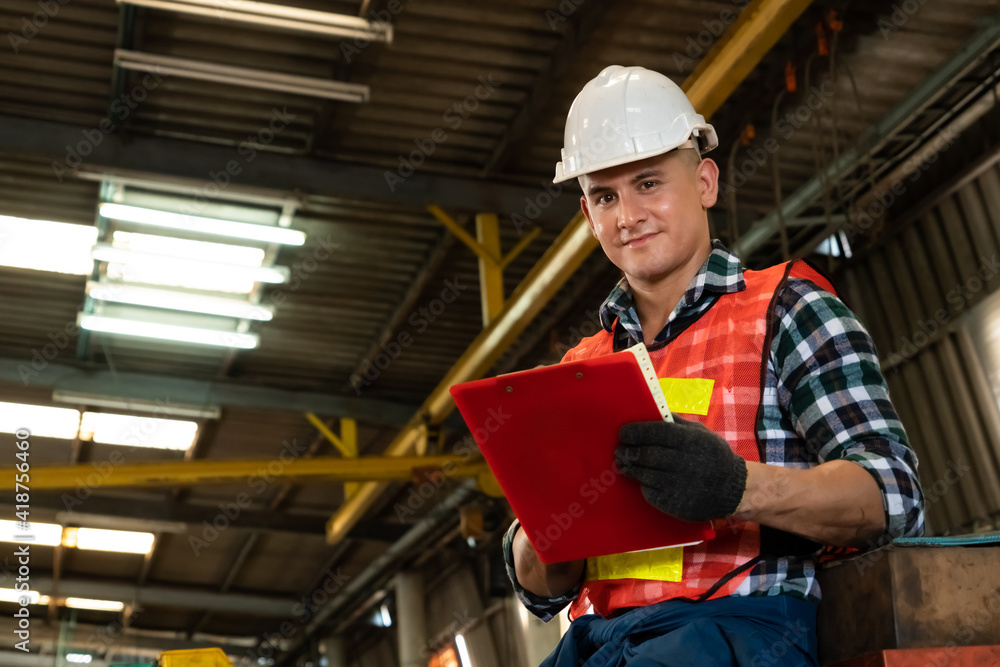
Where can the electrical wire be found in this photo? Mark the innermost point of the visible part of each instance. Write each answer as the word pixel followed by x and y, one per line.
pixel 776 179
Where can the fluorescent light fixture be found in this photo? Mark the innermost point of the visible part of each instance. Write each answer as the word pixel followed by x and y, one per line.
pixel 99 539
pixel 192 223
pixel 11 595
pixel 79 658
pixel 463 651
pixel 97 605
pixel 44 534
pixel 39 420
pixel 153 297
pixel 151 432
pixel 241 76
pixel 44 245
pixel 386 618
pixel 277 16
pixel 138 405
pixel 115 325
pixel 157 269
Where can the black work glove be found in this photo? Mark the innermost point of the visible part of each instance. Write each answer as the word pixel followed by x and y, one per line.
pixel 685 469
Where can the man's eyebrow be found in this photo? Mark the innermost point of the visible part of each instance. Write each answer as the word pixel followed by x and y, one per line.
pixel 648 173
pixel 597 189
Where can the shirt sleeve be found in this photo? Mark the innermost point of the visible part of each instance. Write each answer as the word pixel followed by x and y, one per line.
pixel 831 388
pixel 542 607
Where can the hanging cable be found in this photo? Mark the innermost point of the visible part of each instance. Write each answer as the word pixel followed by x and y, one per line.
pixel 776 178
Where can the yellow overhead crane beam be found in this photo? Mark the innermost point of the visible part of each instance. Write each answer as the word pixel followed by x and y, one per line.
pixel 757 29
pixel 301 470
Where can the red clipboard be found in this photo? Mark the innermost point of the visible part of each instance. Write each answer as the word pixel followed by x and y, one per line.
pixel 549 435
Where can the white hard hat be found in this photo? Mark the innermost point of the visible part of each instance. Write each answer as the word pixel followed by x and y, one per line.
pixel 627 114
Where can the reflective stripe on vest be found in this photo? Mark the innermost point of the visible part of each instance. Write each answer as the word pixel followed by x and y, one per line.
pixel 727 346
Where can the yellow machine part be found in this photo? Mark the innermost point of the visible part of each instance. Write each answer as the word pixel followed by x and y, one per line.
pixel 202 657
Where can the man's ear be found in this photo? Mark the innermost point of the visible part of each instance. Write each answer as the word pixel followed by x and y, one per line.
pixel 586 213
pixel 708 181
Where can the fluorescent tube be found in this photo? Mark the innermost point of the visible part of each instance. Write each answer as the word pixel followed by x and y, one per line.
pixel 40 421
pixel 99 539
pixel 193 223
pixel 115 325
pixel 44 534
pixel 277 16
pixel 104 252
pixel 98 605
pixel 241 76
pixel 172 300
pixel 152 432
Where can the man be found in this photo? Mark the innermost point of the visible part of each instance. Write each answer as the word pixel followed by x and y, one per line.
pixel 799 447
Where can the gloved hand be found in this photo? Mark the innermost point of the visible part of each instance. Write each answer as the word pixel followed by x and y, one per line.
pixel 686 470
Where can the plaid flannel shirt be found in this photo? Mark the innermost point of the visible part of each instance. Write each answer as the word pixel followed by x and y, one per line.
pixel 824 399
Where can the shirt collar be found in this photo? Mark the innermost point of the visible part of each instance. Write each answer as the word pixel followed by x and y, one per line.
pixel 720 274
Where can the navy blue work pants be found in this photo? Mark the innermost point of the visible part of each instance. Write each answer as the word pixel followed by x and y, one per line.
pixel 770 631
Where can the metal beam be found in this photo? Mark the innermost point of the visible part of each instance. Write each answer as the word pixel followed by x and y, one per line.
pixel 187 473
pixel 142 386
pixel 158 513
pixel 875 137
pixel 758 28
pixel 551 272
pixel 180 598
pixel 177 159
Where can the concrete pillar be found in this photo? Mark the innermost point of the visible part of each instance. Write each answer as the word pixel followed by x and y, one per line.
pixel 334 649
pixel 411 621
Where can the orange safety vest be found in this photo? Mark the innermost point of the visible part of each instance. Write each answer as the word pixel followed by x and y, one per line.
pixel 727 348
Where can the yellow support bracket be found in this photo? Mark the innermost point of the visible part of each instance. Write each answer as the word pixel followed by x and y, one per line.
pixel 490 273
pixel 463 236
pixel 347 443
pixel 492 261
